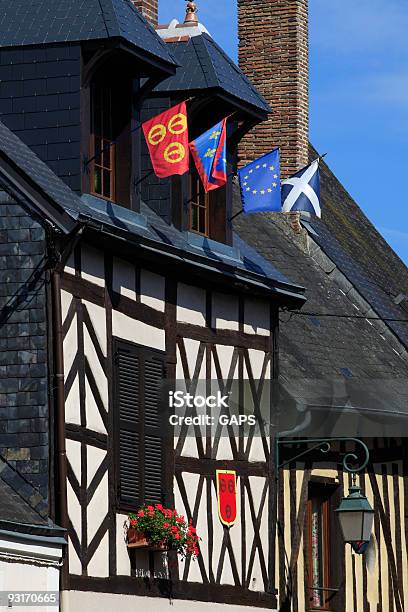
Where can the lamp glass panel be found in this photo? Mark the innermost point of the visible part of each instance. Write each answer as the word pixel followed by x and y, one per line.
pixel 368 525
pixel 351 525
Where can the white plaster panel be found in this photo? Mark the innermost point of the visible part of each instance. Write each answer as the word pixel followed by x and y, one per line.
pixel 96 367
pixel 256 317
pixel 136 331
pixel 152 290
pixel 73 449
pixel 66 299
pixel 257 452
pixel 225 354
pixel 225 311
pixel 74 509
pixel 99 564
pixel 122 556
pixel 224 450
pixel 75 566
pixel 93 417
pixel 106 602
pixel 191 304
pixel 72 411
pixel 95 456
pixel 191 348
pixel 97 314
pixel 70 346
pixel 257 359
pixel 98 507
pixel 124 278
pixel 93 265
pixel 190 448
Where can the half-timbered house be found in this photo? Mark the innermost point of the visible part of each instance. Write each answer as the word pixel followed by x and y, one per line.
pixel 141 280
pixel 113 281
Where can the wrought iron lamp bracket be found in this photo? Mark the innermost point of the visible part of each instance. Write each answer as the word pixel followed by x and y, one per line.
pixel 350 461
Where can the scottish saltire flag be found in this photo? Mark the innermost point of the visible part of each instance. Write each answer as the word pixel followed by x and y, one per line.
pixel 209 152
pixel 260 184
pixel 302 191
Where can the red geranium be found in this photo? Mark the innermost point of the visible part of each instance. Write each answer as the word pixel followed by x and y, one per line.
pixel 165 526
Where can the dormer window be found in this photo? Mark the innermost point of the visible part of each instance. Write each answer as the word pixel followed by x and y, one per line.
pixel 103 169
pixel 110 146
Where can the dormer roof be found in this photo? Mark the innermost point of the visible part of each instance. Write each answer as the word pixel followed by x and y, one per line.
pixel 44 22
pixel 203 66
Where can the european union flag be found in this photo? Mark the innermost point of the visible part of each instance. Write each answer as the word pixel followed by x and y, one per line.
pixel 209 154
pixel 260 184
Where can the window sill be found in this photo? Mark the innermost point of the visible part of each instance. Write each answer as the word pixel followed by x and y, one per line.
pixel 207 246
pixel 115 212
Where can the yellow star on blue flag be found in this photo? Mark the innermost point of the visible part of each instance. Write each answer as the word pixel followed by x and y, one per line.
pixel 260 184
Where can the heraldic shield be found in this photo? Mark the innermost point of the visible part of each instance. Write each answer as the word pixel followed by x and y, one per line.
pixel 227 496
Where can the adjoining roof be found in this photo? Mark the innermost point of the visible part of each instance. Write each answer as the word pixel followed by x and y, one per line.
pixel 347 236
pixel 204 65
pixel 35 22
pixel 319 347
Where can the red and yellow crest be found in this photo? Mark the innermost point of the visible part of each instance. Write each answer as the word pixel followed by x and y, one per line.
pixel 227 496
pixel 167 139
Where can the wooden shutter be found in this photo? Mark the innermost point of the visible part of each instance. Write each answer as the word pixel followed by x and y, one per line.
pixel 139 372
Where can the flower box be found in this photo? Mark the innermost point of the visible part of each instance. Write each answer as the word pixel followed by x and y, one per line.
pixel 157 528
pixel 137 539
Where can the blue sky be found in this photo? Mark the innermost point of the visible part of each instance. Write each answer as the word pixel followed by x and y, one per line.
pixel 358 97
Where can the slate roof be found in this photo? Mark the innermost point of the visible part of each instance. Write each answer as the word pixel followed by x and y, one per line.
pixel 204 65
pixel 20 502
pixel 37 22
pixel 21 156
pixel 240 261
pixel 360 252
pixel 317 347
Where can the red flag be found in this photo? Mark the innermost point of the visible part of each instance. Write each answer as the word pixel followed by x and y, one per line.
pixel 167 139
pixel 227 496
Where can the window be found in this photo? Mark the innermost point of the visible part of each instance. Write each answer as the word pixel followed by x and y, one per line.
pixel 102 143
pixel 319 550
pixel 138 373
pixel 208 211
pixel 199 206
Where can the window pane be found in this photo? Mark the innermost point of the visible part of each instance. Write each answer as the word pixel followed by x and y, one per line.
pixel 97 186
pixel 194 218
pixel 106 183
pixel 202 227
pixel 317 553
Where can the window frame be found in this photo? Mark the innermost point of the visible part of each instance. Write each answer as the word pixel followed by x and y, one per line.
pixel 330 490
pixel 105 143
pixel 326 545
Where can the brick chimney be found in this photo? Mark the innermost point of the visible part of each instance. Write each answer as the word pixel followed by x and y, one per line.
pixel 149 9
pixel 273 53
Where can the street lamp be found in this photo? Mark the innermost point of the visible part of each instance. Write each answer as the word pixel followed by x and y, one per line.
pixel 355 512
pixel 356 515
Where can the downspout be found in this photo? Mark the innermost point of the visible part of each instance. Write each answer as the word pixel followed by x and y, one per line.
pixel 60 259
pixel 59 395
